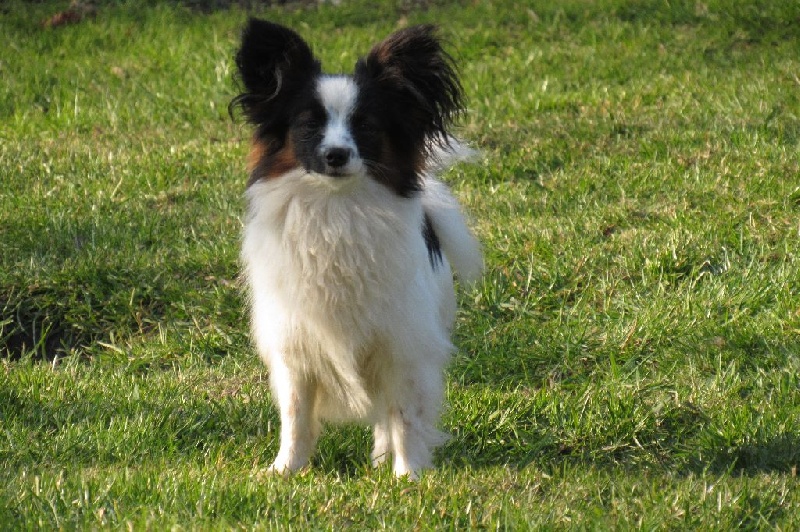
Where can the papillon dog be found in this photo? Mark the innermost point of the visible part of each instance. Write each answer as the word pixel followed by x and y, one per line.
pixel 349 238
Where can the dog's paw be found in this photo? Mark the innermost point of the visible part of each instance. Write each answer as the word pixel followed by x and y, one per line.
pixel 279 469
pixel 406 474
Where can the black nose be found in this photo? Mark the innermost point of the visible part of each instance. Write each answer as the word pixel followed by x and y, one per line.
pixel 337 157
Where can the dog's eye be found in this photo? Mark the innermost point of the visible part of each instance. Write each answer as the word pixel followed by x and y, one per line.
pixel 309 121
pixel 365 124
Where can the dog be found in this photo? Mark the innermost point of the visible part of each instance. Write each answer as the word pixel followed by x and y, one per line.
pixel 349 238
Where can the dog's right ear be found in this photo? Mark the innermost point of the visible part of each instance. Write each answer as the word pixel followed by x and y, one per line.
pixel 275 64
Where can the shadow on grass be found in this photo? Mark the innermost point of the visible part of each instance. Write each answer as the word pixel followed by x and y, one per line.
pixel 64 432
pixel 58 316
pixel 70 431
pixel 779 455
pixel 70 284
pixel 643 429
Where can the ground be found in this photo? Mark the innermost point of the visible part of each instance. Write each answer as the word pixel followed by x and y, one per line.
pixel 630 359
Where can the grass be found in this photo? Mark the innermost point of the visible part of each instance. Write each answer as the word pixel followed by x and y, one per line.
pixel 629 361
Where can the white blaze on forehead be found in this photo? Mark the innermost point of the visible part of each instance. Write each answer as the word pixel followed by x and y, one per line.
pixel 338 95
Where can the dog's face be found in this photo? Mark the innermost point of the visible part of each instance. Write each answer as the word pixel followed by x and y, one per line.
pixel 378 123
pixel 330 134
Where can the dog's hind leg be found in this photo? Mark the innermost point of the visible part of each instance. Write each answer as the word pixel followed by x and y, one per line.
pixel 413 441
pixel 413 416
pixel 411 454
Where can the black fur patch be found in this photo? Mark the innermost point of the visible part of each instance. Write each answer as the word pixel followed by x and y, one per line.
pixel 431 242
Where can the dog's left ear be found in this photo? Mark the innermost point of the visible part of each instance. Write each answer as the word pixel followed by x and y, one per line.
pixel 418 76
pixel 275 65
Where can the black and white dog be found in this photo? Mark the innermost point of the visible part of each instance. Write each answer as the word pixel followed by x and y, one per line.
pixel 349 238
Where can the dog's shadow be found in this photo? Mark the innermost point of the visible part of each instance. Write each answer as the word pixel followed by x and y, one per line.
pixel 507 439
pixel 344 453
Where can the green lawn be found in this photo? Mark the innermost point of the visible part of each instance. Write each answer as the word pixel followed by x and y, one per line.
pixel 631 360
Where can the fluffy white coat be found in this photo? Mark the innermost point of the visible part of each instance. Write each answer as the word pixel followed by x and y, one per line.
pixel 347 311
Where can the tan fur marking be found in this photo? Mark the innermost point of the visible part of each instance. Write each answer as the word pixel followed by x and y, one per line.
pixel 257 150
pixel 283 161
pixel 277 163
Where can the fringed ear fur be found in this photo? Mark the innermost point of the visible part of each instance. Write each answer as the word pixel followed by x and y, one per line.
pixel 420 78
pixel 275 65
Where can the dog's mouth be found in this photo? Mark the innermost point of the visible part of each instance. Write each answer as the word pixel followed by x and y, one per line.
pixel 337 173
pixel 353 169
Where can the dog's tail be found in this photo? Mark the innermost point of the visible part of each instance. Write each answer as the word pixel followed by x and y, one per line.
pixel 460 246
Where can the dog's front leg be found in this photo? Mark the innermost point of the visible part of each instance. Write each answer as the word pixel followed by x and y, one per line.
pixel 382 448
pixel 299 425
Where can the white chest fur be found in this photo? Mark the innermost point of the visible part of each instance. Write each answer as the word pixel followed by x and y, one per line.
pixel 330 251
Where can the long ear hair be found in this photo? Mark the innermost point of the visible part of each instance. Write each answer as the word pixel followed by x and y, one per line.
pixel 275 65
pixel 420 79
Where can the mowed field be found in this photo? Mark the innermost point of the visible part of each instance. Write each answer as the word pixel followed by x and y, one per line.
pixel 630 360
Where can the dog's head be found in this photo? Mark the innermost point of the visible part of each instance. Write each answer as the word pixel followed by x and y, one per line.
pixel 379 122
